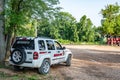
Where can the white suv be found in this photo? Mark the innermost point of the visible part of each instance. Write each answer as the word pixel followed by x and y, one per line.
pixel 38 53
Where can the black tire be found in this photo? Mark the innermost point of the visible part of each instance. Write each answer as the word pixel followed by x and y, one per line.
pixel 45 64
pixel 18 56
pixel 68 62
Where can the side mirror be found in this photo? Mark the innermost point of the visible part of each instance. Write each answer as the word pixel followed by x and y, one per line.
pixel 64 47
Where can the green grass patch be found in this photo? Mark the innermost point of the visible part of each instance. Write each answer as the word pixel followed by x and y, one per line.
pixel 2 65
pixel 22 75
pixel 25 76
pixel 4 76
pixel 5 66
pixel 65 41
pixel 68 42
pixel 34 77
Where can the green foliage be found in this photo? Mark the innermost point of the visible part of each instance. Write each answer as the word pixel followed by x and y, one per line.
pixel 19 13
pixel 111 19
pixel 65 41
pixel 98 33
pixel 86 30
pixel 23 17
pixel 117 26
pixel 110 10
pixel 63 27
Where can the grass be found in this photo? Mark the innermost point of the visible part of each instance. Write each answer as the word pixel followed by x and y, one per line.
pixel 5 66
pixel 68 42
pixel 19 76
pixel 2 65
pixel 5 76
pixel 22 75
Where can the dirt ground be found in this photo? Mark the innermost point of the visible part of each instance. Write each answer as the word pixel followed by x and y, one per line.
pixel 90 62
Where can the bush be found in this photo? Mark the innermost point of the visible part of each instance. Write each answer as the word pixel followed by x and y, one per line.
pixel 65 41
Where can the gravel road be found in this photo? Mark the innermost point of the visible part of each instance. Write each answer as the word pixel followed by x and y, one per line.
pixel 90 62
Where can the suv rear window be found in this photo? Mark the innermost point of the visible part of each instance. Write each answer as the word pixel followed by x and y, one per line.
pixel 24 44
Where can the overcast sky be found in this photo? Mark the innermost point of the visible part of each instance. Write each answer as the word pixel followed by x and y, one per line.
pixel 91 8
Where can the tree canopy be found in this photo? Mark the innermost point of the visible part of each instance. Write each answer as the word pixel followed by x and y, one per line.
pixel 111 19
pixel 21 17
pixel 21 12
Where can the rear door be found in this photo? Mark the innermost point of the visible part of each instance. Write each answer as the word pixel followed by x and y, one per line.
pixel 42 48
pixel 26 45
pixel 51 50
pixel 59 52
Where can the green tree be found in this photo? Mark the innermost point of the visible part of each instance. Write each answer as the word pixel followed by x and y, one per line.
pixel 117 26
pixel 110 21
pixel 86 29
pixel 19 13
pixel 67 25
pixel 98 33
pixel 63 26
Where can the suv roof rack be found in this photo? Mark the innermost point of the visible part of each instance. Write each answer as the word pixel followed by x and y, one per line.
pixel 17 38
pixel 43 37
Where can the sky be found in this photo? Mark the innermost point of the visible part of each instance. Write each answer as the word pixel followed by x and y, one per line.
pixel 90 8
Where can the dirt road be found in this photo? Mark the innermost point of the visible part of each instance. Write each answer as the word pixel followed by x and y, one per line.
pixel 91 63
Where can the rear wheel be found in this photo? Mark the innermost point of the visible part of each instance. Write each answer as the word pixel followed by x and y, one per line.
pixel 45 67
pixel 68 62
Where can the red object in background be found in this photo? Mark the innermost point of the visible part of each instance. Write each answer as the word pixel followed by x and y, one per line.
pixel 108 41
pixel 113 41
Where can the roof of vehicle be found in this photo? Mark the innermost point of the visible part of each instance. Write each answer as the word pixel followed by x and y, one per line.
pixel 31 38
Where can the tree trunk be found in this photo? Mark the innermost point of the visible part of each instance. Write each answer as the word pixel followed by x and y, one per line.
pixel 2 36
pixel 8 44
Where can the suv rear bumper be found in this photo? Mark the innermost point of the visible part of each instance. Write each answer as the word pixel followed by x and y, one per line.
pixel 32 64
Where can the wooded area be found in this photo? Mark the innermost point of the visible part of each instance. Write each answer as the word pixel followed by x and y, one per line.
pixel 44 18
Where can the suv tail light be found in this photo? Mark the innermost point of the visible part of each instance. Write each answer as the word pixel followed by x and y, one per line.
pixel 35 55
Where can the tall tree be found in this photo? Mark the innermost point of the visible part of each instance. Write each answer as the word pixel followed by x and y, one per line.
pixel 2 38
pixel 110 21
pixel 67 26
pixel 85 29
pixel 63 26
pixel 18 13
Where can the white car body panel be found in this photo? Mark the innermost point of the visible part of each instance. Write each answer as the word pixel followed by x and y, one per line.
pixel 54 56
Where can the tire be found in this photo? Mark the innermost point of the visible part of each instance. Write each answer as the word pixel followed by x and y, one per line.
pixel 68 62
pixel 18 56
pixel 45 67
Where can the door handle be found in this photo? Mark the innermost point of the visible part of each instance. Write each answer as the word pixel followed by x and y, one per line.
pixel 58 51
pixel 49 52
